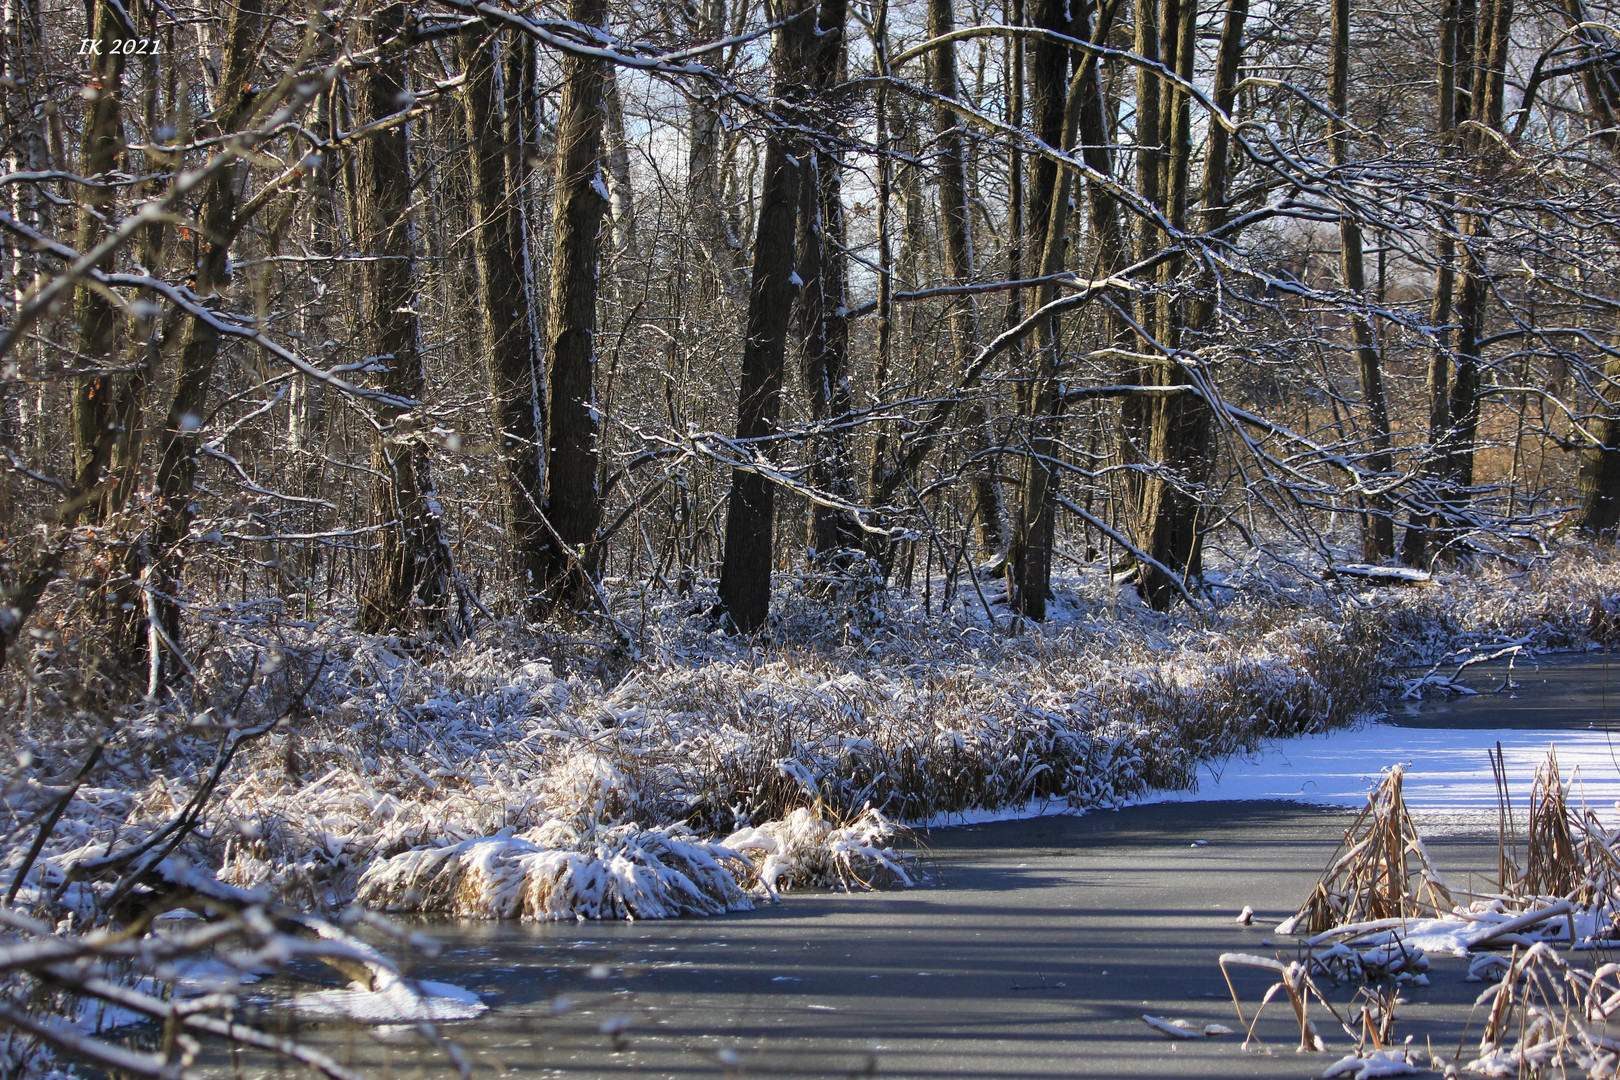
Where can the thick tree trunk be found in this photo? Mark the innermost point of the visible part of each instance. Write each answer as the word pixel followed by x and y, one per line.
pixel 956 223
pixel 1180 427
pixel 1378 527
pixel 510 349
pixel 745 571
pixel 573 503
pixel 409 583
pixel 1048 88
pixel 1488 84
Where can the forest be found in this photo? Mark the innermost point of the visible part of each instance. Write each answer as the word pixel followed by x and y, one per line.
pixel 463 313
pixel 628 423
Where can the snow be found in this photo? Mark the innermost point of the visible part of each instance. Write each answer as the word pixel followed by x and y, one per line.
pixel 1448 775
pixel 1376 1064
pixel 1392 574
pixel 1034 808
pixel 1175 1029
pixel 395 1001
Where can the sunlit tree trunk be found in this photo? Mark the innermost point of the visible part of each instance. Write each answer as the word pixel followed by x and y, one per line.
pixel 1378 527
pixel 1488 87
pixel 409 582
pixel 956 224
pixel 200 348
pixel 1598 484
pixel 510 349
pixel 745 571
pixel 621 196
pixel 573 502
pixel 1416 546
pixel 1181 425
pixel 1083 124
pixel 823 304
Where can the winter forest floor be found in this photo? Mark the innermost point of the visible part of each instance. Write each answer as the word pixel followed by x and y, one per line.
pixel 571 745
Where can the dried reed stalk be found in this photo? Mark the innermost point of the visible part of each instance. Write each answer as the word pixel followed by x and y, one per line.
pixel 1553 864
pixel 1381 870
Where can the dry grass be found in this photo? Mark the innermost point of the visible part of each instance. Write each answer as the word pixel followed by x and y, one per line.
pixel 1546 1015
pixel 389 751
pixel 1380 870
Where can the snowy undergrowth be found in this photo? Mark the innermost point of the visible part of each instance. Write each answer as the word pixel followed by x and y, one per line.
pixel 513 771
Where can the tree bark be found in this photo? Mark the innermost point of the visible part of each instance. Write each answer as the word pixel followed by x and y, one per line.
pixel 409 581
pixel 1378 526
pixel 1135 413
pixel 1598 483
pixel 621 196
pixel 1416 545
pixel 1035 524
pixel 101 149
pixel 745 571
pixel 704 164
pixel 1488 85
pixel 199 350
pixel 956 224
pixel 1179 426
pixel 510 350
pixel 573 502
pixel 834 533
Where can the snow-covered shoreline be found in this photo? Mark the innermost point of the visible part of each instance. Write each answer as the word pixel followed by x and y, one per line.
pixel 928 719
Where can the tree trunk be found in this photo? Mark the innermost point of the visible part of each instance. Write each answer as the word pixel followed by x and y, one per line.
pixel 1415 547
pixel 704 161
pixel 511 363
pixel 1598 485
pixel 1135 413
pixel 745 571
pixel 1378 527
pixel 199 350
pixel 1488 84
pixel 101 150
pixel 1180 426
pixel 22 50
pixel 573 503
pixel 956 223
pixel 409 582
pixel 1035 524
pixel 621 196
pixel 823 304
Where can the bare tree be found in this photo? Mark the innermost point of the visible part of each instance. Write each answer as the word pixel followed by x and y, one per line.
pixel 410 581
pixel 507 321
pixel 745 573
pixel 573 501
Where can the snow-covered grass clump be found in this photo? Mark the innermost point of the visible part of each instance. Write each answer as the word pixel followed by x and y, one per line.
pixel 623 872
pixel 806 849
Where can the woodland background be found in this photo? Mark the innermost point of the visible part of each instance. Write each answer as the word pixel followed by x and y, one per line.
pixel 436 314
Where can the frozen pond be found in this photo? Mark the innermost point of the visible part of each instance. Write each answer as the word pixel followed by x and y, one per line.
pixel 1037 945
